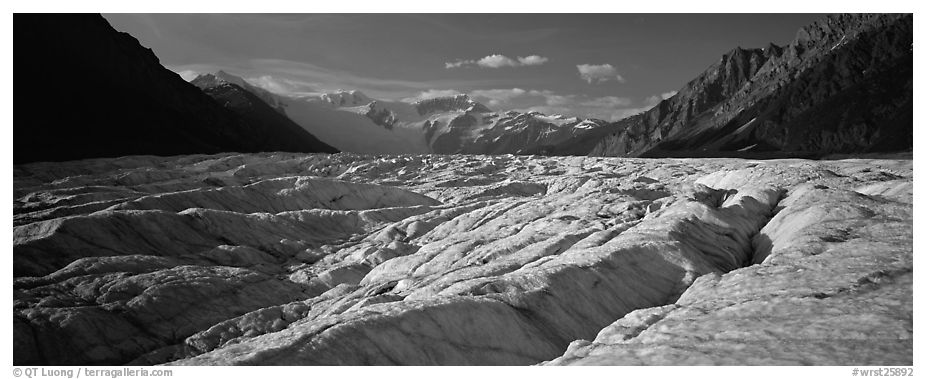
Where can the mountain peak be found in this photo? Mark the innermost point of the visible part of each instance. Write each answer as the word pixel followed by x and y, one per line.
pixel 346 98
pixel 231 78
pixel 459 102
pixel 218 78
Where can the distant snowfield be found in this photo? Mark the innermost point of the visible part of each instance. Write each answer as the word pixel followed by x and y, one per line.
pixel 302 259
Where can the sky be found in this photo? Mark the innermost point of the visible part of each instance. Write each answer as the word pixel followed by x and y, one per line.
pixel 606 66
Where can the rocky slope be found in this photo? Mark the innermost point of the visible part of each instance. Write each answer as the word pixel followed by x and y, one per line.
pixel 844 85
pixel 85 90
pixel 350 259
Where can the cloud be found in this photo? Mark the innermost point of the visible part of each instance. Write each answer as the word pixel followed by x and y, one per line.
pixel 627 112
pixel 648 103
pixel 284 86
pixel 497 97
pixel 599 73
pixel 188 75
pixel 609 108
pixel 431 94
pixel 608 101
pixel 498 61
pixel 532 60
pixel 656 99
pixel 666 95
pixel 300 79
pixel 457 64
pixel 500 98
pixel 291 78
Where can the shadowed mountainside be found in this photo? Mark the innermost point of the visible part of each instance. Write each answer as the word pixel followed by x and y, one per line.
pixel 83 90
pixel 844 85
pixel 255 110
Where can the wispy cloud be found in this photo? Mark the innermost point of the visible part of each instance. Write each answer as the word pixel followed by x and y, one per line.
pixel 498 61
pixel 532 60
pixel 549 102
pixel 599 73
pixel 431 94
pixel 608 101
pixel 655 99
pixel 296 79
pixel 291 78
pixel 648 103
pixel 459 63
pixel 281 85
pixel 609 108
pixel 497 97
pixel 188 75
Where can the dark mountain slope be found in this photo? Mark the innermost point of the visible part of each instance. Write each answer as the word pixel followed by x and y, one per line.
pixel 82 89
pixel 255 111
pixel 844 85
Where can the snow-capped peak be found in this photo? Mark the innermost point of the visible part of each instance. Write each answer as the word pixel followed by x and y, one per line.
pixel 345 98
pixel 459 102
pixel 219 78
pixel 229 78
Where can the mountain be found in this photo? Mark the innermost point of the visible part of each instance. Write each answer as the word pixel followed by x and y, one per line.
pixel 252 107
pixel 352 121
pixel 85 90
pixel 449 104
pixel 222 77
pixel 843 85
pixel 510 132
pixel 342 98
pixel 459 125
pixel 360 125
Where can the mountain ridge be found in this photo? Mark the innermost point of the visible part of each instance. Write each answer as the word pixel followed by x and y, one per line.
pixel 255 110
pixel 119 101
pixel 788 100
